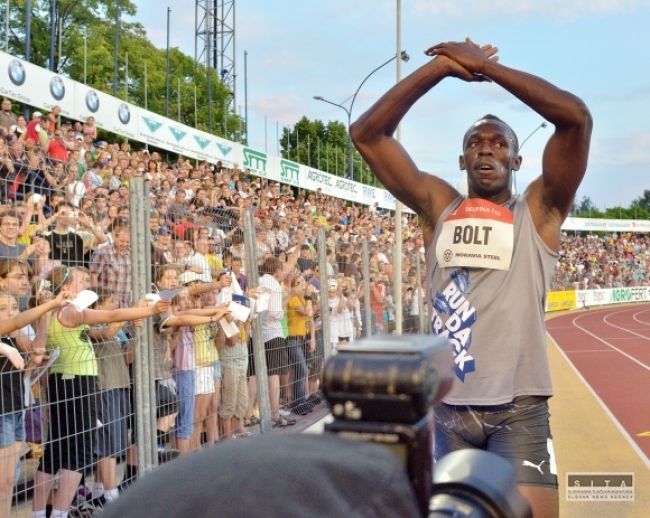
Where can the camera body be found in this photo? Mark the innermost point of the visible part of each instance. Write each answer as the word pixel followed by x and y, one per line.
pixel 383 389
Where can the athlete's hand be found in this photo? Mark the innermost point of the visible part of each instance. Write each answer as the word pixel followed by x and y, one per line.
pixel 453 69
pixel 468 55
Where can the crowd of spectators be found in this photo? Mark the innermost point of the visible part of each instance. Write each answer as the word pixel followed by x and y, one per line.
pixel 65 226
pixel 64 222
pixel 603 261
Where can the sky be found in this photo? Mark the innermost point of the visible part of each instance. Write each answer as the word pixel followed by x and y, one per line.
pixel 596 49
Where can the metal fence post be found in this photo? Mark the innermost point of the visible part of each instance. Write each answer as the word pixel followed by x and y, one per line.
pixel 422 309
pixel 324 297
pixel 148 332
pixel 259 355
pixel 145 418
pixel 397 283
pixel 366 290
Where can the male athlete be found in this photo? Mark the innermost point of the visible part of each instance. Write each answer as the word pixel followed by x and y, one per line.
pixel 490 257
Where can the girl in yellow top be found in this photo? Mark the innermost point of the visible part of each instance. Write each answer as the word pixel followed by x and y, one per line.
pixel 205 356
pixel 71 390
pixel 300 313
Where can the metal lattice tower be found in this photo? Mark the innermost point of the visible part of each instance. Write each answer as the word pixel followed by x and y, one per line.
pixel 214 40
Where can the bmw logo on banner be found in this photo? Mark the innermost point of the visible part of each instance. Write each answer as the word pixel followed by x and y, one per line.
pixel 92 101
pixel 124 114
pixel 57 88
pixel 17 73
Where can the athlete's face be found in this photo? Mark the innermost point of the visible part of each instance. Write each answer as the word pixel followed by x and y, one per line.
pixel 489 157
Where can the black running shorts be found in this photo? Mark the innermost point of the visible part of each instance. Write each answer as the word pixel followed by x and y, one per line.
pixel 518 431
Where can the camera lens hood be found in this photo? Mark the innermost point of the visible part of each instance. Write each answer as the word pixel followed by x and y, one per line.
pixel 476 483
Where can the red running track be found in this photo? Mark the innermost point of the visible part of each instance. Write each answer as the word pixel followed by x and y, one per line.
pixel 611 350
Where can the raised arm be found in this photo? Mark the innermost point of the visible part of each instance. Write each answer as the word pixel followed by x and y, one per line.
pixel 565 157
pixel 27 317
pixel 196 317
pixel 70 317
pixel 372 135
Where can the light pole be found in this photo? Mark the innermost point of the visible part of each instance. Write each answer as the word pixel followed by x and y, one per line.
pixel 514 177
pixel 52 32
pixel 167 67
pixel 116 50
pixel 348 109
pixel 246 95
pixel 349 114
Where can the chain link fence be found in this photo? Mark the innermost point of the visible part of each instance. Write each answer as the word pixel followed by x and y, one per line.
pixel 146 365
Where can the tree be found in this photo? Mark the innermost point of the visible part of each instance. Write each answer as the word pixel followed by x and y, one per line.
pixel 642 203
pixel 323 146
pixel 96 20
pixel 586 209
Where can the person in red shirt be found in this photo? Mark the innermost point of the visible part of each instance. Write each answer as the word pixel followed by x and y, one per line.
pixel 34 128
pixel 56 149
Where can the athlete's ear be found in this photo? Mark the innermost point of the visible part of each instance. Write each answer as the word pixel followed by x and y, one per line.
pixel 461 162
pixel 516 163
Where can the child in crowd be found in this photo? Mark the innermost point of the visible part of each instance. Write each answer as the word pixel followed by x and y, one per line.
pixel 72 390
pixel 113 400
pixel 13 360
pixel 234 365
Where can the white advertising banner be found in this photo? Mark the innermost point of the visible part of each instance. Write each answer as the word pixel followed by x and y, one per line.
pixel 602 297
pixel 110 113
pixel 37 86
pixel 214 149
pixel 606 225
pixel 167 134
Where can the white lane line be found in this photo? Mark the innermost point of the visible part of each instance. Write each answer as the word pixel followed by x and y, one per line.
pixel 638 319
pixel 605 342
pixel 620 327
pixel 635 447
pixel 589 351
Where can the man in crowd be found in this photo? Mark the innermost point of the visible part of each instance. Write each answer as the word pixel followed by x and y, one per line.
pixel 9 225
pixel 499 401
pixel 111 266
pixel 66 245
pixel 8 120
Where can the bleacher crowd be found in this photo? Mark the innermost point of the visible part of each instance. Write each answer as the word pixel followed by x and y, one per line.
pixel 603 261
pixel 65 231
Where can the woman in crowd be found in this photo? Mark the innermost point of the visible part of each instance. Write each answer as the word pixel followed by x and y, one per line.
pixel 183 363
pixel 205 357
pixel 300 314
pixel 72 390
pixel 13 350
pixel 15 279
pixel 377 302
pixel 89 128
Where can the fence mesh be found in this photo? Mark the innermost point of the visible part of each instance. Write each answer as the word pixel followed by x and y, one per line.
pixel 134 374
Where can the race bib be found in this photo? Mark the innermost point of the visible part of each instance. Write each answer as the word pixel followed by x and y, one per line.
pixel 478 234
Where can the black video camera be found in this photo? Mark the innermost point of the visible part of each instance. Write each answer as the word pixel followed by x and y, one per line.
pixel 383 390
